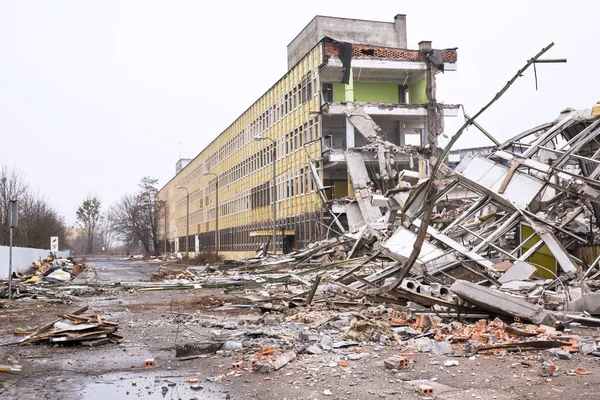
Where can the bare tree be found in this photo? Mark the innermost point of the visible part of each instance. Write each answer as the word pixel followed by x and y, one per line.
pixel 152 208
pixel 38 221
pixel 106 231
pixel 88 215
pixel 13 186
pixel 135 216
pixel 127 222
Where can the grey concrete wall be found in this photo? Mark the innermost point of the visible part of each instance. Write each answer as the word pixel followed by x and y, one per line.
pixel 306 40
pixel 23 257
pixel 386 34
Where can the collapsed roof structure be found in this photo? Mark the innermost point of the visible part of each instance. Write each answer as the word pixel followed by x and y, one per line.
pixel 516 227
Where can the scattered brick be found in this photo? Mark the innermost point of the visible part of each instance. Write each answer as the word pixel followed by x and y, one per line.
pixel 425 390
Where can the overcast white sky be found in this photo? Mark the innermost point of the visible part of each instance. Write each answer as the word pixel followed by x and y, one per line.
pixel 95 95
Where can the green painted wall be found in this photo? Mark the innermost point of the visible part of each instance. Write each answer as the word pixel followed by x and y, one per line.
pixel 382 92
pixel 375 92
pixel 416 92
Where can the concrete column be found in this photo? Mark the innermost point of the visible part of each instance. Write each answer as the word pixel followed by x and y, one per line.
pixel 350 143
pixel 435 118
pixel 425 134
pixel 401 134
pixel 349 135
pixel 400 28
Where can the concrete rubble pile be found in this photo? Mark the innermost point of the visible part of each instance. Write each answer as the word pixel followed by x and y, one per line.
pixel 518 227
pixel 509 263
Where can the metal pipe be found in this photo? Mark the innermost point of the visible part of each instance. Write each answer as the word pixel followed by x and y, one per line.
pixel 486 133
pixel 488 243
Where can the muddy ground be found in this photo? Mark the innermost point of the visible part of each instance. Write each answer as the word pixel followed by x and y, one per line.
pixel 149 323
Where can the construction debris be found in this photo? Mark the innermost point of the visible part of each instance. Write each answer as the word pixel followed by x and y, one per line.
pixel 493 255
pixel 507 263
pixel 49 279
pixel 74 329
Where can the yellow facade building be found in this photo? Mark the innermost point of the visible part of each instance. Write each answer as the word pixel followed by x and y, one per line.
pixel 305 114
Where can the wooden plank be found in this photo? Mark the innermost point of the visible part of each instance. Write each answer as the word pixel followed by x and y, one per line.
pixel 313 290
pixel 80 310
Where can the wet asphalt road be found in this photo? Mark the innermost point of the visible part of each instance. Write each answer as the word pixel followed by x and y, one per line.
pixel 115 270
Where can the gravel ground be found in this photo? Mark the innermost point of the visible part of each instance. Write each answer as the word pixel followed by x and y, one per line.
pixel 151 329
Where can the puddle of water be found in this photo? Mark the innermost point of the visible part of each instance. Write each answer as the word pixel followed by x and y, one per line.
pixel 121 386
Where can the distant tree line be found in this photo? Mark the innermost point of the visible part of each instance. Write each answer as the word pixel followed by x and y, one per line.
pixel 38 220
pixel 130 224
pixel 135 217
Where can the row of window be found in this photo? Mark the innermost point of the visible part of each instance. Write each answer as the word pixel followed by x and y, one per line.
pixel 306 226
pixel 291 142
pixel 298 95
pixel 290 184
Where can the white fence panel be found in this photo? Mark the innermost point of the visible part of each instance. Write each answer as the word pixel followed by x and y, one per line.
pixel 23 257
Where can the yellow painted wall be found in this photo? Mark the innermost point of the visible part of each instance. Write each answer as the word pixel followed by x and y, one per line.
pixel 202 197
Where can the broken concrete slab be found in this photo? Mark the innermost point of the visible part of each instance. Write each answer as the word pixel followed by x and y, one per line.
pixel 520 271
pixel 501 303
pixel 588 302
pixel 363 122
pixel 362 186
pixel 487 176
pixel 195 349
pixel 279 363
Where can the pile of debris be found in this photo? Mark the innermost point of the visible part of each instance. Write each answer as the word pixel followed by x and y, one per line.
pixel 53 270
pixel 73 329
pixel 341 337
pixel 498 255
pixel 512 233
pixel 50 280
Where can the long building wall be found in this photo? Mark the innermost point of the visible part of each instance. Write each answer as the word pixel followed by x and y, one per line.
pixel 287 114
pixel 290 114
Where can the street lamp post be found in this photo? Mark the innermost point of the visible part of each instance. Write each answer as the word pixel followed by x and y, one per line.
pixel 13 217
pixel 187 218
pixel 165 210
pixel 259 138
pixel 216 213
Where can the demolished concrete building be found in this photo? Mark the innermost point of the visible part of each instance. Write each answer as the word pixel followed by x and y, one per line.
pixel 513 234
pixel 355 109
pixel 522 220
